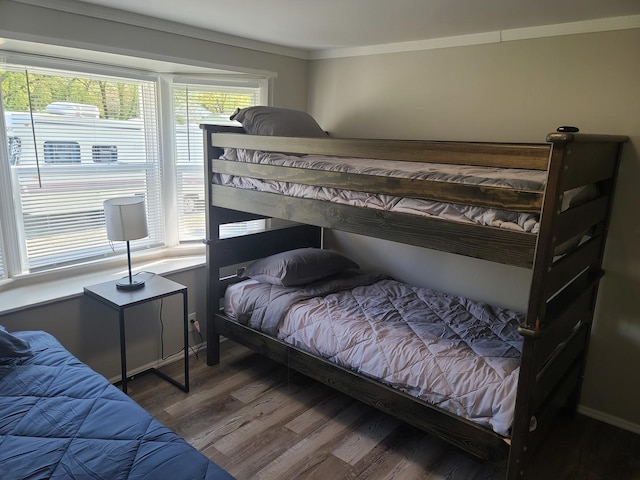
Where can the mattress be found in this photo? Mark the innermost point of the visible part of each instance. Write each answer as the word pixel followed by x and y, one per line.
pixel 460 355
pixel 61 420
pixel 512 178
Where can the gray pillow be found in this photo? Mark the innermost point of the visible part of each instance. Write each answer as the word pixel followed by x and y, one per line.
pixel 280 122
pixel 12 346
pixel 297 267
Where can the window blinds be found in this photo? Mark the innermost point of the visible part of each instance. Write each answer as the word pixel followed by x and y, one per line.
pixel 196 104
pixel 74 141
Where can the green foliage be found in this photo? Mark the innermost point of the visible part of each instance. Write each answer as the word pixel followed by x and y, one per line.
pixel 201 105
pixel 115 100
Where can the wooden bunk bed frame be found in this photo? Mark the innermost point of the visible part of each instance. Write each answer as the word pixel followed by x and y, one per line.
pixel 563 290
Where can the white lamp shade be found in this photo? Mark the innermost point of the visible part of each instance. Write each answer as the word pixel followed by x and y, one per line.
pixel 126 218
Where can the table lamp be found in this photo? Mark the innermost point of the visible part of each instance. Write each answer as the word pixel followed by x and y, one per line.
pixel 126 220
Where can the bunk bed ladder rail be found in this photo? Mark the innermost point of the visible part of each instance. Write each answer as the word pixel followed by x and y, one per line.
pixel 563 290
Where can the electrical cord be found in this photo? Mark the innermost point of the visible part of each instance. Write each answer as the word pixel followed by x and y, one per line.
pixel 195 352
pixel 162 336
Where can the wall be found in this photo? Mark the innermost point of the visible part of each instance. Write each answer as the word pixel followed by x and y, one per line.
pixel 87 329
pixel 90 330
pixel 513 91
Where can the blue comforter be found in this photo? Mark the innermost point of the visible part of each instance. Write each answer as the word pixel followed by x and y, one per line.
pixel 60 419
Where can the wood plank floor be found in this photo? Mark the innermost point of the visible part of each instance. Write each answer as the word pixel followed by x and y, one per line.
pixel 258 420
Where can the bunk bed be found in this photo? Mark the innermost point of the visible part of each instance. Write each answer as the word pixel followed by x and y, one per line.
pixel 563 248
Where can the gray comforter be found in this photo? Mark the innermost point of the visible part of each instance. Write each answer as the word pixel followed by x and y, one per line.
pixel 268 304
pixel 458 354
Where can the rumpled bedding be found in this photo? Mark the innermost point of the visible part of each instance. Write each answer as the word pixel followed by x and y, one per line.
pixel 498 177
pixel 269 305
pixel 458 354
pixel 61 420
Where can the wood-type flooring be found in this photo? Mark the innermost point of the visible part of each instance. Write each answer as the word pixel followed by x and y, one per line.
pixel 258 420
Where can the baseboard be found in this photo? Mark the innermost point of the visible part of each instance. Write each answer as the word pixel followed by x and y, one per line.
pixel 200 348
pixel 609 419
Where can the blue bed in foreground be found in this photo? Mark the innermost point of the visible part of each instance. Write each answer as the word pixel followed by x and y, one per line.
pixel 60 419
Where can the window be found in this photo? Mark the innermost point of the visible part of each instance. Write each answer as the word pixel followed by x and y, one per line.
pixel 79 136
pixel 195 104
pixel 2 272
pixel 104 153
pixel 61 152
pixel 58 176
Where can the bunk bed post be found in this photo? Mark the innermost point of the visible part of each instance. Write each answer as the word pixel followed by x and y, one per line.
pixel 212 236
pixel 542 260
pixel 212 239
pixel 212 229
pixel 563 290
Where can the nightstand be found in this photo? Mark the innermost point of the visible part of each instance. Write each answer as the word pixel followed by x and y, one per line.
pixel 156 287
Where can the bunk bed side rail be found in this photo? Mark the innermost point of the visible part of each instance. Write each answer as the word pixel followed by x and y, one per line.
pixel 246 248
pixel 505 155
pixel 518 200
pixel 472 438
pixel 489 243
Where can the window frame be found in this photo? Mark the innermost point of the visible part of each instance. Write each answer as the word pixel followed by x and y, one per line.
pixel 12 246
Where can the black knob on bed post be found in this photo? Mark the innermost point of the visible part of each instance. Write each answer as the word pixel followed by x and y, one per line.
pixel 567 129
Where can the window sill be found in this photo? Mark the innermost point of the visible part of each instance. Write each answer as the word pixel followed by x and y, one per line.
pixel 27 293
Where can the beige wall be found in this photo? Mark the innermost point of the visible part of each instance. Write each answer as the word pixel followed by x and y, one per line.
pixel 512 91
pixel 90 330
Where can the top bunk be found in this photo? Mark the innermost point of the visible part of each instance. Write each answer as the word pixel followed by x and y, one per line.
pixel 566 163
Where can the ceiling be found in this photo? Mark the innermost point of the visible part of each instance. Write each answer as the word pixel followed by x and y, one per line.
pixel 330 24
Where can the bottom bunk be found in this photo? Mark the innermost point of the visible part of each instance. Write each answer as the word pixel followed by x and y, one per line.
pixel 408 351
pixel 459 355
pixel 60 419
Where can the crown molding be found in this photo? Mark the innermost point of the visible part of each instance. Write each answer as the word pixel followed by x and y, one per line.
pixel 431 44
pixel 572 28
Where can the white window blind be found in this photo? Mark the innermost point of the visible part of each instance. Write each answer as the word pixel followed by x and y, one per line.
pixel 195 104
pixel 74 141
pixel 3 274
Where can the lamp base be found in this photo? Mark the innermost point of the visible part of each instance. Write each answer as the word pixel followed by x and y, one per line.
pixel 124 284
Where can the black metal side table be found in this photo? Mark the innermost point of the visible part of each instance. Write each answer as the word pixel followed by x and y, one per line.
pixel 156 287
